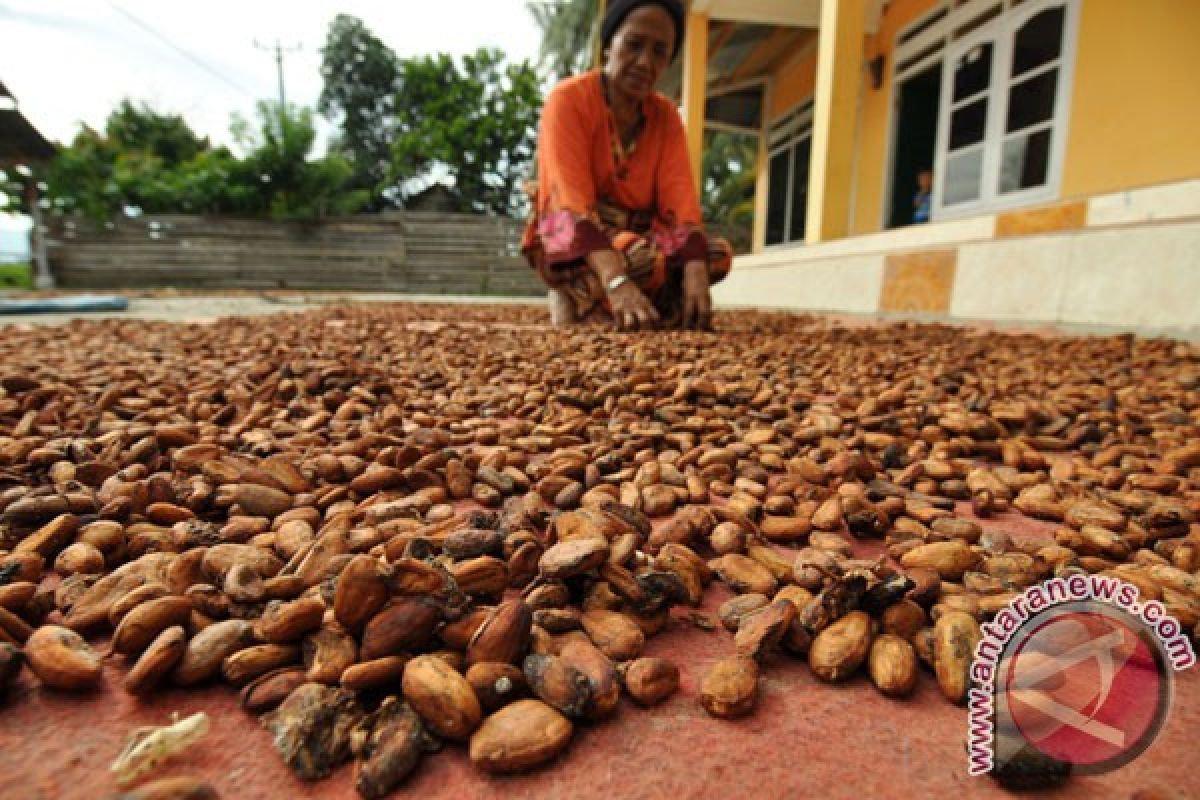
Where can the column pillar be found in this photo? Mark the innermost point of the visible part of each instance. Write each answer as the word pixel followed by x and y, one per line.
pixel 839 70
pixel 597 45
pixel 761 181
pixel 695 88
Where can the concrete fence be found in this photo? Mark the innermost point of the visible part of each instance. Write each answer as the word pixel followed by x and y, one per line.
pixel 417 252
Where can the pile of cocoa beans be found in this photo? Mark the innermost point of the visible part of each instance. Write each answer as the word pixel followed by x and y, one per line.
pixel 396 526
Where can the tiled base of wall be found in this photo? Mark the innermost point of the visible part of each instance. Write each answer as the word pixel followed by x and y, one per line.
pixel 1127 261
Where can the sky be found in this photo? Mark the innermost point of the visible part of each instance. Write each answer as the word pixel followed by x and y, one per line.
pixel 72 61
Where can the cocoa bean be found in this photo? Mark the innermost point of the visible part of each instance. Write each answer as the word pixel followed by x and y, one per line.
pixel 954 638
pixel 157 661
pixel 892 665
pixel 519 736
pixel 207 649
pixel 442 697
pixel 390 749
pixel 650 681
pixel 496 684
pixel 61 659
pixel 373 674
pixel 406 624
pixel 266 692
pixel 503 636
pixel 282 623
pixel 614 634
pixel 730 687
pixel 362 589
pixel 146 621
pixel 603 681
pixel 558 684
pixel 838 650
pixel 573 557
pixel 760 631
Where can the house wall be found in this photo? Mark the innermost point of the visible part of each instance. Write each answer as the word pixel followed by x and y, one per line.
pixel 1135 104
pixel 875 114
pixel 1134 93
pixel 793 83
pixel 1129 260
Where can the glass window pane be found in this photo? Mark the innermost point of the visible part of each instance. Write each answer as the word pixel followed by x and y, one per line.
pixel 800 191
pixel 777 197
pixel 1038 41
pixel 967 124
pixel 973 71
pixel 1031 101
pixel 963 173
pixel 1025 162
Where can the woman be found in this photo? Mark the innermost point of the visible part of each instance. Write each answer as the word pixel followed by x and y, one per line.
pixel 616 227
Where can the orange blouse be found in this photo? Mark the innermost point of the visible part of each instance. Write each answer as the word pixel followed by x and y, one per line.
pixel 582 171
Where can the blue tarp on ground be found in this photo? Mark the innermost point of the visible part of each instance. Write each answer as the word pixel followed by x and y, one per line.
pixel 60 305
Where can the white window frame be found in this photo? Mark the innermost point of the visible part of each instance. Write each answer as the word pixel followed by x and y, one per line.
pixel 794 126
pixel 1001 32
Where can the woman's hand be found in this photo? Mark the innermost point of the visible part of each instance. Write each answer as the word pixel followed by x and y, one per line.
pixel 697 302
pixel 631 309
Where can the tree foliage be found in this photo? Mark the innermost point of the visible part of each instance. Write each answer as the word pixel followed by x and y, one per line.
pixel 290 185
pixel 474 121
pixel 728 196
pixel 359 92
pixel 405 124
pixel 165 136
pixel 570 29
pixel 154 163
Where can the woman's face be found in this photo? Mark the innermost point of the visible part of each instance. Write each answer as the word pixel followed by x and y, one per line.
pixel 641 49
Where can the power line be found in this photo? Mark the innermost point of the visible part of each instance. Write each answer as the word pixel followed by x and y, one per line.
pixel 195 60
pixel 279 51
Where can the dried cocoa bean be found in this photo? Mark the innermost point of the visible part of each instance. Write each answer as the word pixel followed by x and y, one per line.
pixel 61 659
pixel 519 736
pixel 730 687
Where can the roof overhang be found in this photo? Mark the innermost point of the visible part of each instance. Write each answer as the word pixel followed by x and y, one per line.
pixel 794 13
pixel 20 142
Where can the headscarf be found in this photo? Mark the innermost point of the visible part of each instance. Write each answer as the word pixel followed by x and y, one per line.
pixel 618 10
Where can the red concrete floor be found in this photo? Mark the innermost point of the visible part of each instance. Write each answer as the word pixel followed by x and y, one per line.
pixel 806 739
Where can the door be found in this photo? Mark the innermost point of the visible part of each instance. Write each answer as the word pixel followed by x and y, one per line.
pixel 915 145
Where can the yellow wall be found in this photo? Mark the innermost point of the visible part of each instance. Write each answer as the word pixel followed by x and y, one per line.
pixel 875 117
pixel 1135 100
pixel 793 83
pixel 1135 103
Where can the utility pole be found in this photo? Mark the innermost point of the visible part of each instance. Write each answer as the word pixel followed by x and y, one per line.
pixel 279 51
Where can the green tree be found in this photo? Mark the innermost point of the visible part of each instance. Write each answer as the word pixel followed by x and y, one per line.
pixel 290 185
pixel 81 178
pixel 474 122
pixel 101 174
pixel 728 196
pixel 165 136
pixel 358 95
pixel 154 163
pixel 570 29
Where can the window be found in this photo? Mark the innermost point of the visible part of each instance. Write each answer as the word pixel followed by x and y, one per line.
pixel 789 145
pixel 1004 100
pixel 1001 110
